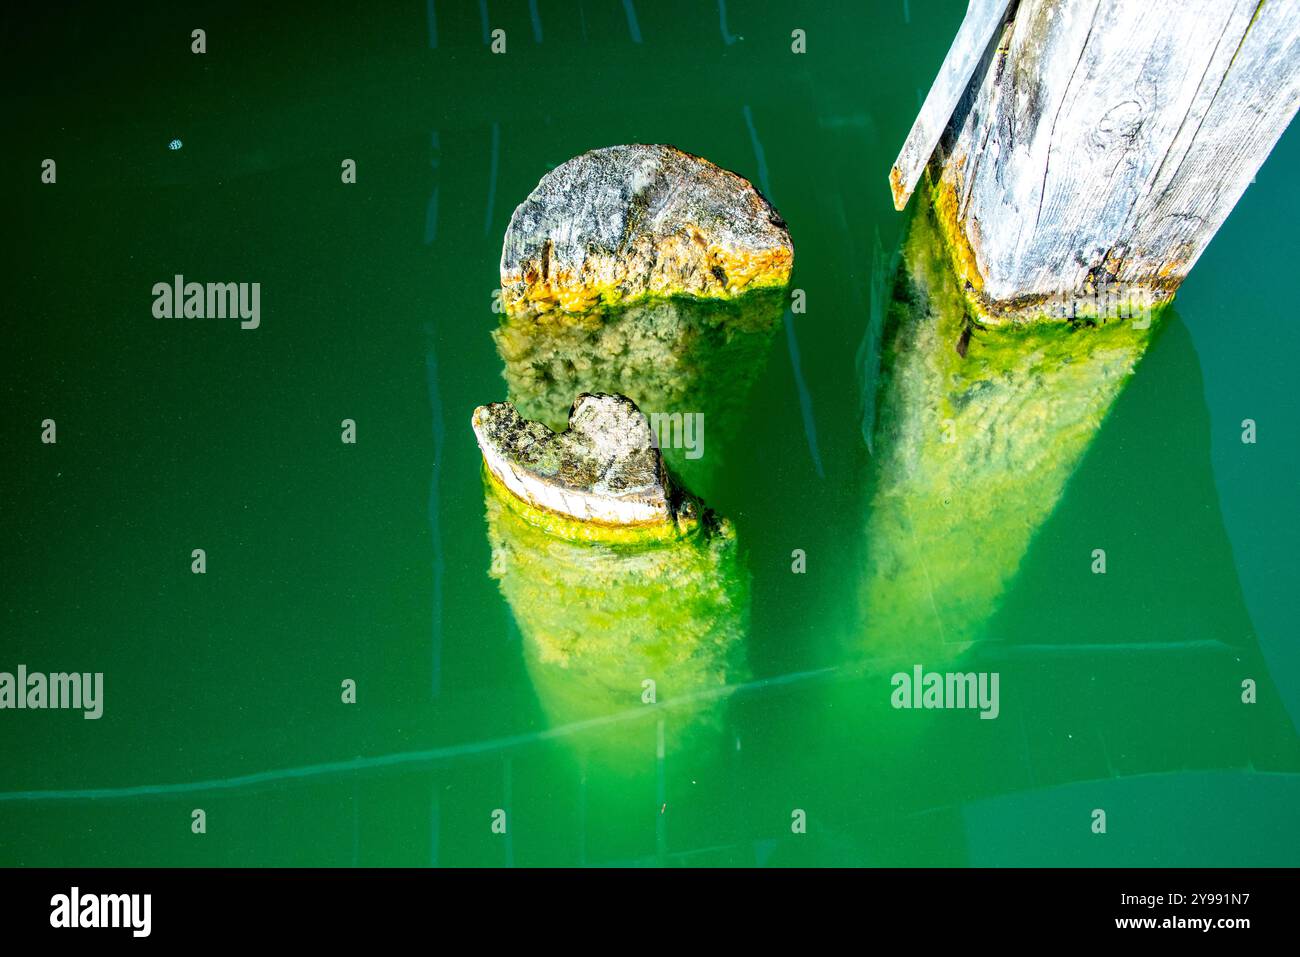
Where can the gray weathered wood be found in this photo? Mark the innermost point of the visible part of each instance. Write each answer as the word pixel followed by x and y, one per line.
pixel 983 18
pixel 1105 141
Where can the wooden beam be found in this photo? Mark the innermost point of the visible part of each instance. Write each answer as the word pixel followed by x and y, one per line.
pixel 1106 141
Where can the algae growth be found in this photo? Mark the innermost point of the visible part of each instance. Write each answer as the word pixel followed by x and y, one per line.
pixel 979 429
pixel 604 610
pixel 691 361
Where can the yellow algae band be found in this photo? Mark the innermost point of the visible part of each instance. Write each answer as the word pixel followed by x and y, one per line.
pixel 625 224
pixel 1099 297
pixel 724 276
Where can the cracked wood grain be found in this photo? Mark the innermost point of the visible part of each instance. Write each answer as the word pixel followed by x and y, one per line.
pixel 1108 140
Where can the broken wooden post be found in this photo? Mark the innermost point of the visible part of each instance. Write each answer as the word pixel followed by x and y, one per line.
pixel 627 591
pixel 1095 147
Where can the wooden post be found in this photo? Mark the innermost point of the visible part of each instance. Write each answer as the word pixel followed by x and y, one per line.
pixel 1097 146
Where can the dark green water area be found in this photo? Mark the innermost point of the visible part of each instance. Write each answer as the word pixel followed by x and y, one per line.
pixel 947 508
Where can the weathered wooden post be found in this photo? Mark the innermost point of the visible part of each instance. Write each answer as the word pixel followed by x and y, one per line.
pixel 1082 148
pixel 1079 155
pixel 640 285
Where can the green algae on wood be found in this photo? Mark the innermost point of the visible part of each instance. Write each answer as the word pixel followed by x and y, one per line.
pixel 978 431
pixel 631 276
pixel 685 523
pixel 602 612
pixel 680 358
pixel 1099 295
pixel 605 598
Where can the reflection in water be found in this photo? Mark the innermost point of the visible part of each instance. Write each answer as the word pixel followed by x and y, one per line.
pixel 681 357
pixel 979 428
pixel 600 618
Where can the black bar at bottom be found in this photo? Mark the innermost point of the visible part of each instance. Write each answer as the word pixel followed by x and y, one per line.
pixel 211 906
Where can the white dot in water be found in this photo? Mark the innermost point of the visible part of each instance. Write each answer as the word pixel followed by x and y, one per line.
pixel 174 145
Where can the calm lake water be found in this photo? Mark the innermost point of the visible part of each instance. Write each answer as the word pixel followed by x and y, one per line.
pixel 370 562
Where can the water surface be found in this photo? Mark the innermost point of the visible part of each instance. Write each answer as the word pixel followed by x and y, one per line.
pixel 371 562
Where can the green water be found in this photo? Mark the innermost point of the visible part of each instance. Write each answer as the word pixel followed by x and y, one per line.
pixel 371 561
